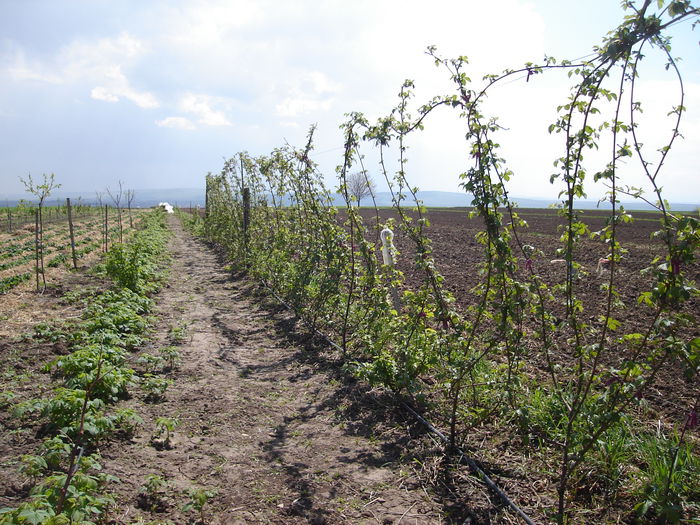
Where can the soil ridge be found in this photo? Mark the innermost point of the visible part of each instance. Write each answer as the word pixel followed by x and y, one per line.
pixel 266 419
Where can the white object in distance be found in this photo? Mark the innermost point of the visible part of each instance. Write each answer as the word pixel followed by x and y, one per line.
pixel 387 237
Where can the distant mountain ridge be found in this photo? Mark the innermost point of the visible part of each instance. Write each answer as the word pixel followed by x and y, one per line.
pixel 142 199
pixel 185 197
pixel 450 199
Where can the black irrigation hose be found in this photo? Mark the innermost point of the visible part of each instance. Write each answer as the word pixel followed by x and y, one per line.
pixel 463 457
pixel 473 466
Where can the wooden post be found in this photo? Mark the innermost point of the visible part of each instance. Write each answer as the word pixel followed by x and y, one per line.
pixel 121 228
pixel 206 199
pixel 70 231
pixel 206 208
pixel 240 156
pixel 246 219
pixel 41 247
pixel 9 220
pixel 106 230
pixel 36 246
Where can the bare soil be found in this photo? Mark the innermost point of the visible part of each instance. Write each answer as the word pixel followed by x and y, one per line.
pixel 457 254
pixel 267 419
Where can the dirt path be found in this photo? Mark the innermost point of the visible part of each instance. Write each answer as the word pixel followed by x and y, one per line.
pixel 265 418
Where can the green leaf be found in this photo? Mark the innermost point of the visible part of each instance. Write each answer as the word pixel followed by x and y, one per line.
pixel 612 324
pixel 678 8
pixel 633 338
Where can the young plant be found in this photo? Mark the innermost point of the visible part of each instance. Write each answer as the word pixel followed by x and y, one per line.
pixel 172 355
pixel 165 426
pixel 154 363
pixel 153 493
pixel 42 192
pixel 155 387
pixel 127 421
pixel 199 497
pixel 6 398
pixel 130 195
pixel 178 333
pixel 116 197
pixel 670 480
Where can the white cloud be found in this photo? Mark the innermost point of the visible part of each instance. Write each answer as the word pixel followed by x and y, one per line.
pixel 403 30
pixel 141 99
pixel 269 69
pixel 20 69
pixel 99 63
pixel 293 107
pixel 295 59
pixel 201 106
pixel 306 92
pixel 100 93
pixel 103 62
pixel 90 57
pixel 204 24
pixel 176 123
pixel 320 83
pixel 118 86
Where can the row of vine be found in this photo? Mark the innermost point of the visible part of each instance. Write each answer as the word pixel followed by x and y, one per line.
pixel 468 364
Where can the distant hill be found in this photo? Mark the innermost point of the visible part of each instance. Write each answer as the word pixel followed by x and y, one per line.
pixel 143 198
pixel 450 199
pixel 185 197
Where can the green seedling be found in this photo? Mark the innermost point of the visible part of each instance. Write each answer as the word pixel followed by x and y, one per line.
pixel 172 355
pixel 6 398
pixel 178 334
pixel 126 420
pixel 165 426
pixel 155 387
pixel 153 363
pixel 198 499
pixel 152 494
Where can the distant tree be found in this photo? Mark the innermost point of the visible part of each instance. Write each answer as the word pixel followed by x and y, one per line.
pixel 130 194
pixel 42 192
pixel 360 185
pixel 116 197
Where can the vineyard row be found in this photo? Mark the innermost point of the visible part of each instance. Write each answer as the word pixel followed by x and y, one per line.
pixel 537 364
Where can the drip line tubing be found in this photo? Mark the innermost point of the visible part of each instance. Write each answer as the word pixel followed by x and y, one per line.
pixel 472 465
pixel 462 456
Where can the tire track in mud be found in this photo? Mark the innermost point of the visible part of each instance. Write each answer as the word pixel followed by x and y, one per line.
pixel 265 418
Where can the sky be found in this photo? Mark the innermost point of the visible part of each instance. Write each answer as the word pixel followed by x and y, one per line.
pixel 156 94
